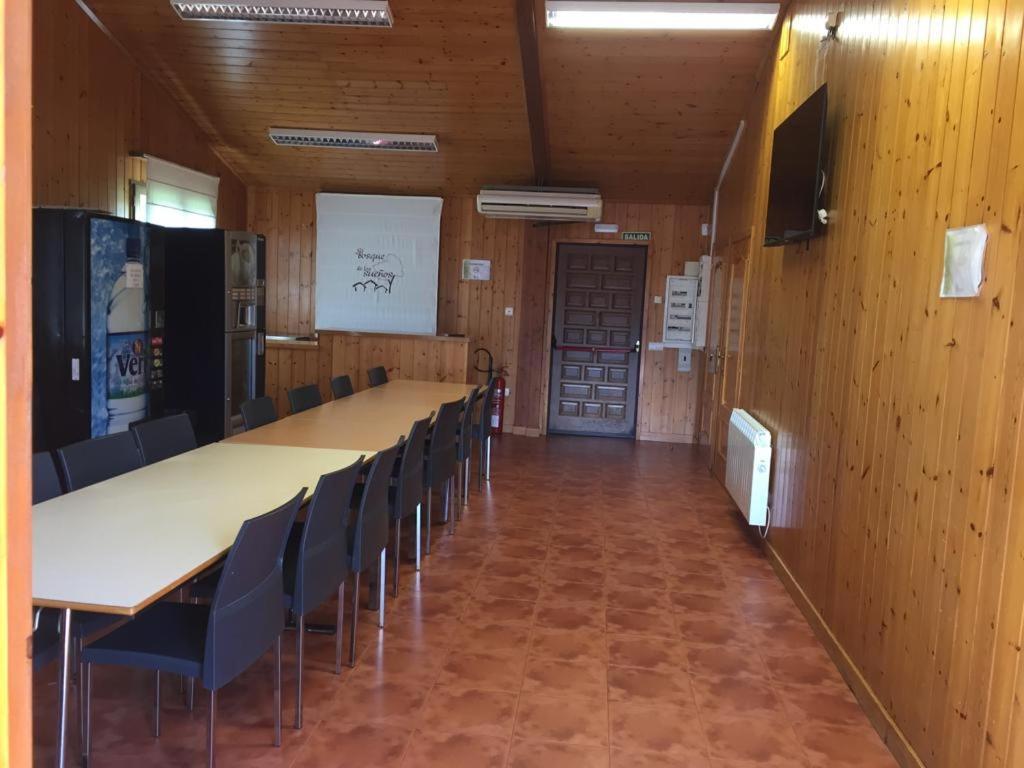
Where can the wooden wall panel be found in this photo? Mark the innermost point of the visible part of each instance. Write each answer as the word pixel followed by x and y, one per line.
pixel 520 254
pixel 899 479
pixel 92 107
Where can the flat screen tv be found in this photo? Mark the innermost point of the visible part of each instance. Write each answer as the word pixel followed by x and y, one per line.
pixel 797 174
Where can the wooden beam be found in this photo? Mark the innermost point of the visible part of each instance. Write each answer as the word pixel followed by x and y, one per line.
pixel 530 53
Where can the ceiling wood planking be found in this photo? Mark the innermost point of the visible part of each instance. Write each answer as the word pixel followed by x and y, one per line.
pixel 451 69
pixel 642 116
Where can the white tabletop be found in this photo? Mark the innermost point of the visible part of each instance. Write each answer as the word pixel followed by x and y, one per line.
pixel 117 546
pixel 369 421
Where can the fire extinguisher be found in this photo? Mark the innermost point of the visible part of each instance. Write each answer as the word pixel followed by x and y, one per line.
pixel 498 404
pixel 498 408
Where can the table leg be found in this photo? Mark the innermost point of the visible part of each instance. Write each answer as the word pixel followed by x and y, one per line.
pixel 63 673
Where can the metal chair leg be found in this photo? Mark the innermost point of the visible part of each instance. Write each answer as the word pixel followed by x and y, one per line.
pixel 381 586
pixel 86 683
pixel 480 466
pixel 428 523
pixel 465 481
pixel 156 708
pixel 64 673
pixel 419 534
pixel 338 633
pixel 277 691
pixel 211 725
pixel 398 554
pixel 355 621
pixel 487 469
pixel 300 632
pixel 449 513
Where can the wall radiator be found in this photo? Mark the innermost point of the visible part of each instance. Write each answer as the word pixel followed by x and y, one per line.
pixel 748 466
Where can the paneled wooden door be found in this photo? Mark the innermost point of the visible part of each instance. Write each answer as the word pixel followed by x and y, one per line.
pixel 730 349
pixel 595 355
pixel 713 368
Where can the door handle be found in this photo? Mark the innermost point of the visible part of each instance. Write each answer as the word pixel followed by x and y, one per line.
pixel 636 346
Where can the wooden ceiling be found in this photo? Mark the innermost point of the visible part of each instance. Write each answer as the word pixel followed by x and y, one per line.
pixel 644 117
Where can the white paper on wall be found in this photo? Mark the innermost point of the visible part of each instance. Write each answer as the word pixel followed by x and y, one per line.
pixel 963 262
pixel 377 263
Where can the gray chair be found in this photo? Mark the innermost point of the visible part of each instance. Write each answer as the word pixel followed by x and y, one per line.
pixel 161 439
pixel 303 398
pixel 377 376
pixel 213 643
pixel 258 412
pixel 439 462
pixel 341 386
pixel 405 496
pixel 316 562
pixel 98 459
pixel 45 480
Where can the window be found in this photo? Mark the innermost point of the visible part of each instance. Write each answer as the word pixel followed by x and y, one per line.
pixel 175 196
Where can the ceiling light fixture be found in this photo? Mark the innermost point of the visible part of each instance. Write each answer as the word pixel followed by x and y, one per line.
pixel 401 142
pixel 615 14
pixel 346 13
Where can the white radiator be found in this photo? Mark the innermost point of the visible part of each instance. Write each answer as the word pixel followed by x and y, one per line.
pixel 748 466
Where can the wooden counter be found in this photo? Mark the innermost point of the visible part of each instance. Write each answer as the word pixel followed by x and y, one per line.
pixel 406 356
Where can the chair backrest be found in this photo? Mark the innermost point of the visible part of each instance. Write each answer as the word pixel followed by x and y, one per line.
pixel 377 376
pixel 487 403
pixel 92 461
pixel 466 423
pixel 372 521
pixel 409 472
pixel 303 398
pixel 341 386
pixel 322 562
pixel 256 413
pixel 45 480
pixel 247 611
pixel 443 451
pixel 161 439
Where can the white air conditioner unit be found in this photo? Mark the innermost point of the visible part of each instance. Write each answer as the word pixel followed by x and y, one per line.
pixel 539 203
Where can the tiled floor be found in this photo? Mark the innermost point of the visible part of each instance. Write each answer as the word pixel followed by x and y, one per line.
pixel 600 605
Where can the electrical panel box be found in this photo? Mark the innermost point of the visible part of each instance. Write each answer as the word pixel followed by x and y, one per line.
pixel 680 310
pixel 700 323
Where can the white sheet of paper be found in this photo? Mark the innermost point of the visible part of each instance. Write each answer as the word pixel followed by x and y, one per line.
pixel 963 262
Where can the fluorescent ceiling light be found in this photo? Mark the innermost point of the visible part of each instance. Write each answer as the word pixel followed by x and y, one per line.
pixel 615 14
pixel 348 13
pixel 402 142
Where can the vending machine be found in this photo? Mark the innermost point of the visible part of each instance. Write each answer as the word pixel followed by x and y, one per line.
pixel 98 317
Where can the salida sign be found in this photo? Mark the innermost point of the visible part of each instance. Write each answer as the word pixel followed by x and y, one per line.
pixel 377 272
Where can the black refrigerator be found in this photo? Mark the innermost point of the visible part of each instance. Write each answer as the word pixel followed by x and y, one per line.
pixel 215 326
pixel 98 314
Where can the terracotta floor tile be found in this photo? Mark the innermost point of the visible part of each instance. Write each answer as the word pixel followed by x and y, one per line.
pixel 655 653
pixel 761 742
pixel 653 623
pixel 454 750
pixel 552 630
pixel 645 686
pixel 587 679
pixel 834 746
pixel 537 754
pixel 569 645
pixel 467 710
pixel 669 731
pixel 576 720
pixel 485 671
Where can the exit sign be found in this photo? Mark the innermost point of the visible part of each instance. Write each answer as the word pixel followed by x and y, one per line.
pixel 642 237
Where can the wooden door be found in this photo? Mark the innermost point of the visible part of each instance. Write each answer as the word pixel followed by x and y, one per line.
pixel 595 356
pixel 730 350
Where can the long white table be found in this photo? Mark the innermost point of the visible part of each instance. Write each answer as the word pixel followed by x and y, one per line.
pixel 118 546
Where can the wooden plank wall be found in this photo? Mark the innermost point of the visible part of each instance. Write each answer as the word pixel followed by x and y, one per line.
pixel 899 488
pixel 293 364
pixel 93 106
pixel 520 255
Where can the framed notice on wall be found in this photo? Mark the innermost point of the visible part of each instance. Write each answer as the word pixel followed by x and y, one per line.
pixel 377 263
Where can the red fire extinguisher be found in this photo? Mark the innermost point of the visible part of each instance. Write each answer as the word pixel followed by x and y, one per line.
pixel 498 407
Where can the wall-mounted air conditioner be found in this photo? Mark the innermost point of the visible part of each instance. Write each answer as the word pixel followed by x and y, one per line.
pixel 539 203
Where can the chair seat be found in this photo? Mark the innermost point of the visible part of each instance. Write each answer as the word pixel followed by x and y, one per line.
pixel 167 637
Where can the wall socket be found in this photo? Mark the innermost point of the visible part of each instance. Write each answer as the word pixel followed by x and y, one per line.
pixel 508 311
